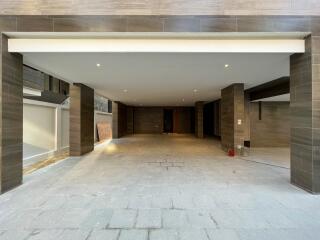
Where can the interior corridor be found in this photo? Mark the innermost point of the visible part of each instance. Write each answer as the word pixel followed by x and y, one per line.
pixel 165 186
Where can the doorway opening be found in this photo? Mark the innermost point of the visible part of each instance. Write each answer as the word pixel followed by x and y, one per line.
pixel 208 120
pixel 168 120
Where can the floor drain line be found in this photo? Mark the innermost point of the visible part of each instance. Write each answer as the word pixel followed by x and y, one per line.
pixel 268 164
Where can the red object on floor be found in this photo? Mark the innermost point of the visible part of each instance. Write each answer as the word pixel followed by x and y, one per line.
pixel 231 153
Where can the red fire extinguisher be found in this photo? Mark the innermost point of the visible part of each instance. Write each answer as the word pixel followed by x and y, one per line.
pixel 231 152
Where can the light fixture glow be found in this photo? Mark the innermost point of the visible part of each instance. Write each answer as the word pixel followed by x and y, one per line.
pixel 195 90
pixel 226 65
pixel 98 65
pixel 182 99
pixel 125 90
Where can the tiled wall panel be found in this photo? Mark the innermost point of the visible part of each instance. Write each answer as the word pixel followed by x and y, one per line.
pixel 11 117
pixel 81 119
pixel 232 111
pixel 160 23
pixel 148 120
pixel 119 120
pixel 199 119
pixel 273 129
pixel 217 118
pixel 130 120
pixel 305 116
pixel 160 7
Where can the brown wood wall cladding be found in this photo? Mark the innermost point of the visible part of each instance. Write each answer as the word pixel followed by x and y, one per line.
pixel 305 116
pixel 217 118
pixel 130 120
pixel 182 120
pixel 11 118
pixel 232 110
pixel 149 120
pixel 81 119
pixel 115 117
pixel 199 119
pixel 247 119
pixel 52 89
pixel 273 130
pixel 156 7
pixel 119 120
pixel 160 24
pixel 33 79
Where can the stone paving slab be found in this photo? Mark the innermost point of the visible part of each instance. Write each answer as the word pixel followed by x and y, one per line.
pixel 133 235
pixel 105 234
pixel 149 219
pixel 123 218
pixel 113 194
pixel 160 234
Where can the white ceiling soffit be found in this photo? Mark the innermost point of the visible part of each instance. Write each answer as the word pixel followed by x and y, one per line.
pixel 163 45
pixel 162 79
pixel 159 35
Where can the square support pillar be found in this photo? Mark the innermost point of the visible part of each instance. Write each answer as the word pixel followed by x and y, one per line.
pixel 232 117
pixel 130 120
pixel 81 119
pixel 199 119
pixel 305 116
pixel 119 120
pixel 11 118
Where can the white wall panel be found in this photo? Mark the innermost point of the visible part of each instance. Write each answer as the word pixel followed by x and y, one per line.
pixel 38 129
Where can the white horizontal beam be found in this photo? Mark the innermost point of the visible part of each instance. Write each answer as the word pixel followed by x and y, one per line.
pixel 158 45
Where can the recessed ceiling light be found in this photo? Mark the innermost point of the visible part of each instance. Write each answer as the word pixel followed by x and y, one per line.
pixel 125 90
pixel 195 90
pixel 98 65
pixel 226 65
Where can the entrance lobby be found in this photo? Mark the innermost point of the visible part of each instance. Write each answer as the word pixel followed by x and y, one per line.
pixel 155 120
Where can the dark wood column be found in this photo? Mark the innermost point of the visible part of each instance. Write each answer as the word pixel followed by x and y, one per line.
pixel 119 120
pixel 11 117
pixel 232 117
pixel 199 119
pixel 130 120
pixel 305 116
pixel 81 119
